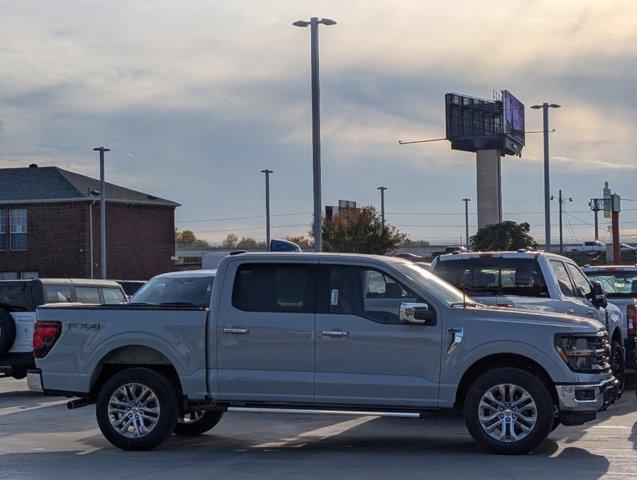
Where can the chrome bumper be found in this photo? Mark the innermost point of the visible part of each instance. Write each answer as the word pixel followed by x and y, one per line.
pixel 34 381
pixel 587 398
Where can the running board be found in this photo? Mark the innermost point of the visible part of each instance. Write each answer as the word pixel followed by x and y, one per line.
pixel 326 411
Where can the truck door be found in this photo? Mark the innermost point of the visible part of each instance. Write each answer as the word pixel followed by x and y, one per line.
pixel 364 354
pixel 265 332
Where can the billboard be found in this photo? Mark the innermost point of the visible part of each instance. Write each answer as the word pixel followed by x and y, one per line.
pixel 474 124
pixel 513 117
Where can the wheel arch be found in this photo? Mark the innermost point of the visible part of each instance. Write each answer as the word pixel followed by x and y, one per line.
pixel 499 360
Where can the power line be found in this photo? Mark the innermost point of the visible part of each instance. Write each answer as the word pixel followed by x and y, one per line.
pixel 223 219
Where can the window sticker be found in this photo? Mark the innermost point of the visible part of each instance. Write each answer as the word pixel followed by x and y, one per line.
pixel 334 299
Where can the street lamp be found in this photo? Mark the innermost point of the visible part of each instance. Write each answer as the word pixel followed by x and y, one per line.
pixel 316 125
pixel 547 184
pixel 382 204
pixel 102 209
pixel 267 207
pixel 466 220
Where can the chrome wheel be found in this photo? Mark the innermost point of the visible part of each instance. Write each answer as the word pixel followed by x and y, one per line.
pixel 191 417
pixel 507 413
pixel 133 410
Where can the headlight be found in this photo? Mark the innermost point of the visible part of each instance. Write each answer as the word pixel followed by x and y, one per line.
pixel 584 354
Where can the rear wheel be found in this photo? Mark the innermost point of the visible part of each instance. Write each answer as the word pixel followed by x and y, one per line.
pixel 137 409
pixel 508 411
pixel 196 423
pixel 618 366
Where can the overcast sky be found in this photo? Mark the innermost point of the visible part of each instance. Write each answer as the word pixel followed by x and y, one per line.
pixel 195 98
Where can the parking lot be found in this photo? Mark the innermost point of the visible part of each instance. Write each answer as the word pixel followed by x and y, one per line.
pixel 40 438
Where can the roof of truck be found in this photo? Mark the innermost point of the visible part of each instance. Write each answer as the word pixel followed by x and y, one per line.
pixel 318 256
pixel 66 281
pixel 610 268
pixel 521 254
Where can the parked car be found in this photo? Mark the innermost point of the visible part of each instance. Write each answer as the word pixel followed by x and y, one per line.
pixel 18 301
pixel 130 287
pixel 620 284
pixel 592 246
pixel 536 281
pixel 307 332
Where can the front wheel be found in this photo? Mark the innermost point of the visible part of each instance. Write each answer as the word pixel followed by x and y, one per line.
pixel 196 423
pixel 137 409
pixel 618 366
pixel 509 411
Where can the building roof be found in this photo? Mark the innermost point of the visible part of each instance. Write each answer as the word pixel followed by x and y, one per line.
pixel 52 184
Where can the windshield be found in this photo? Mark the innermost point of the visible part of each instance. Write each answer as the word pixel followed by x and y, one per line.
pixel 442 290
pixel 494 276
pixel 167 290
pixel 620 284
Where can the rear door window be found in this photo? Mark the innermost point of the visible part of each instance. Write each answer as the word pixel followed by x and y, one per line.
pixel 17 296
pixel 274 288
pixel 113 296
pixel 57 293
pixel 87 295
pixel 494 276
pixel 563 280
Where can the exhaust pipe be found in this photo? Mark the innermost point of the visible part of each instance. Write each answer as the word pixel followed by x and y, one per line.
pixel 79 403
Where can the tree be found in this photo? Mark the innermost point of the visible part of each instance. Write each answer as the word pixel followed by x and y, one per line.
pixel 503 236
pixel 415 243
pixel 188 237
pixel 230 241
pixel 304 242
pixel 247 242
pixel 360 231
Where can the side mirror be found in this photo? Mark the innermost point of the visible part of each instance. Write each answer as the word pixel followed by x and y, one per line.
pixel 598 296
pixel 417 313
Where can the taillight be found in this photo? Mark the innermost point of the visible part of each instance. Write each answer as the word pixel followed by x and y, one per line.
pixel 45 334
pixel 631 319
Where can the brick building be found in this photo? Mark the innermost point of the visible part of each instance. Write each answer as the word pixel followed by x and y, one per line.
pixel 45 227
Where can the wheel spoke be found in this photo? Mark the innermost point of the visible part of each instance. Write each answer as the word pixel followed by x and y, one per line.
pixel 507 412
pixel 133 410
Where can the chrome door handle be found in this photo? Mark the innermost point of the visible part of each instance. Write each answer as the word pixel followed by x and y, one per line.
pixel 335 333
pixel 236 331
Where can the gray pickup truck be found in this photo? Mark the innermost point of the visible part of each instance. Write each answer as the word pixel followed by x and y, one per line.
pixel 320 333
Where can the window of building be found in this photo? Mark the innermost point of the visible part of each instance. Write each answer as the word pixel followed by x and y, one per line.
pixel 28 275
pixel 273 288
pixel 112 296
pixel 369 293
pixel 18 228
pixel 87 295
pixel 3 230
pixel 8 275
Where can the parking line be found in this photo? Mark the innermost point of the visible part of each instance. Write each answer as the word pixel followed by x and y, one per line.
pixel 318 434
pixel 12 410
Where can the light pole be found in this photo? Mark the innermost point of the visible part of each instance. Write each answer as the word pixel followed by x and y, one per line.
pixel 547 184
pixel 561 201
pixel 466 220
pixel 267 207
pixel 102 209
pixel 382 204
pixel 316 125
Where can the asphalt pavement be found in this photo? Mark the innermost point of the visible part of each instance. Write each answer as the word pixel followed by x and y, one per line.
pixel 41 439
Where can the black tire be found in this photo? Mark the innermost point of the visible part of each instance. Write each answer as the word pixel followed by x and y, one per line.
pixel 165 398
pixel 539 393
pixel 618 366
pixel 7 331
pixel 206 422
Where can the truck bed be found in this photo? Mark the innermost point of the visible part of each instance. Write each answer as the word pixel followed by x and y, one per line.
pixel 97 335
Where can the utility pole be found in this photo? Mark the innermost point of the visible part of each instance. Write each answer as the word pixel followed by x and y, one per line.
pixel 596 204
pixel 547 184
pixel 316 125
pixel 382 204
pixel 267 207
pixel 102 209
pixel 466 220
pixel 561 201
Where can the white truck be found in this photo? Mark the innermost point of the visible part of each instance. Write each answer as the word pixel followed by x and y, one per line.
pixel 536 281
